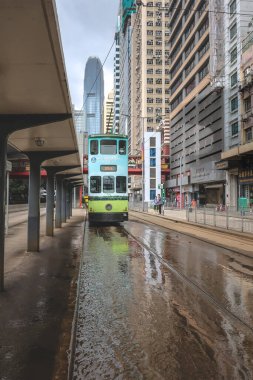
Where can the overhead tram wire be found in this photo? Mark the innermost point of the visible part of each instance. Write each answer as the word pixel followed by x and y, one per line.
pixel 207 11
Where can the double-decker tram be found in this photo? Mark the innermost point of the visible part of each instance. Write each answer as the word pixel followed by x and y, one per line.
pixel 107 178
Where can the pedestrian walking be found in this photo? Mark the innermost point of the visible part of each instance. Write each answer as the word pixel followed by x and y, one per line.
pixel 159 203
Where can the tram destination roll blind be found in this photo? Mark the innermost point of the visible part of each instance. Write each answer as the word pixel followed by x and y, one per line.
pixel 108 168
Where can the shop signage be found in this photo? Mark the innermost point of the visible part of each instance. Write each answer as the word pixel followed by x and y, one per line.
pixel 246 175
pixel 221 165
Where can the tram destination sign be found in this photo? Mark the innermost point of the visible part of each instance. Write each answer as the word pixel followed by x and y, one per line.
pixel 108 168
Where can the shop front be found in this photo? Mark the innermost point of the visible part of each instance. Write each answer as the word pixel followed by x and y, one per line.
pixel 246 185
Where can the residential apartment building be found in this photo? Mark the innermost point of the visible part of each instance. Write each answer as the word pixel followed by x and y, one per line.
pixel 238 159
pixel 144 85
pixel 196 53
pixel 109 113
pixel 237 105
pixel 117 78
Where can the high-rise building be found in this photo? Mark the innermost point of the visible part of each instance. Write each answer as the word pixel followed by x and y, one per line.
pixel 109 113
pixel 236 158
pixel 117 78
pixel 79 120
pixel 93 99
pixel 196 56
pixel 144 97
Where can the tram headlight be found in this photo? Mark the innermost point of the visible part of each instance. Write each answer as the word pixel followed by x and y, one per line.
pixel 108 207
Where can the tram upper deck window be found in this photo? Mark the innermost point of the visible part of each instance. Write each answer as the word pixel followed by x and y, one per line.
pixel 108 184
pixel 93 147
pixel 122 147
pixel 108 147
pixel 121 184
pixel 95 184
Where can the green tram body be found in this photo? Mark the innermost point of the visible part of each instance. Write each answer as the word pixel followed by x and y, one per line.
pixel 107 178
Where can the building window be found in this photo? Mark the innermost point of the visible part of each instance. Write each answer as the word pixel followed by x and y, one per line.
pixel 234 128
pixel 150 71
pixel 152 141
pixel 248 134
pixel 149 80
pixel 233 80
pixel 232 7
pixel 152 194
pixel 234 104
pixel 203 71
pixel 233 55
pixel 152 162
pixel 247 104
pixel 152 152
pixel 149 90
pixel 233 31
pixel 190 86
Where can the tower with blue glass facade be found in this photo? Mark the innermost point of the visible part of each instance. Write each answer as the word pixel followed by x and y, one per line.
pixel 93 98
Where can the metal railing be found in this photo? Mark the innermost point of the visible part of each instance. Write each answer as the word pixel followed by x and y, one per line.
pixel 222 217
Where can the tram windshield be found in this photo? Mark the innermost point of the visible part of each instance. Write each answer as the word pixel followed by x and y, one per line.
pixel 95 184
pixel 108 147
pixel 120 184
pixel 108 184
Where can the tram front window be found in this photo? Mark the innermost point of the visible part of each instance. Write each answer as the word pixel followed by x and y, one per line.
pixel 95 184
pixel 108 184
pixel 108 147
pixel 122 147
pixel 94 147
pixel 120 184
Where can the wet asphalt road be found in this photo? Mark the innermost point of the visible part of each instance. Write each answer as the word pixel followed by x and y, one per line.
pixel 154 304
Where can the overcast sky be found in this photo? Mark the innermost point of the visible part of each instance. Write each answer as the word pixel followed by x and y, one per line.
pixel 87 29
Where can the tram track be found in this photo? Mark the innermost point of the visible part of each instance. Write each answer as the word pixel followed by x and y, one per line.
pixel 235 242
pixel 192 284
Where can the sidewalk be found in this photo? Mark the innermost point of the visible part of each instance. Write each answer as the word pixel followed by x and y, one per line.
pixel 39 298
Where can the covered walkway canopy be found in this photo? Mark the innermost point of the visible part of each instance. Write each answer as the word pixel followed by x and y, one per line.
pixel 35 105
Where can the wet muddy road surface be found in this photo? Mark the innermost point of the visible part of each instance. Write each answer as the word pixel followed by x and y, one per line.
pixel 154 304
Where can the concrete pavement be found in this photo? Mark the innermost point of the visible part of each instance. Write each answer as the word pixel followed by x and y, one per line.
pixel 38 302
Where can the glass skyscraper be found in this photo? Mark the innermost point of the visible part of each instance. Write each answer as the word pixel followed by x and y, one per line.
pixel 93 99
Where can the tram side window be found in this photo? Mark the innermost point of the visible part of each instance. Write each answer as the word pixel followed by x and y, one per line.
pixel 122 147
pixel 108 184
pixel 95 184
pixel 121 184
pixel 93 147
pixel 108 147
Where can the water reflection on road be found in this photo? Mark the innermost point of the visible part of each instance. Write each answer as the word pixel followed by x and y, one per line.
pixel 137 319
